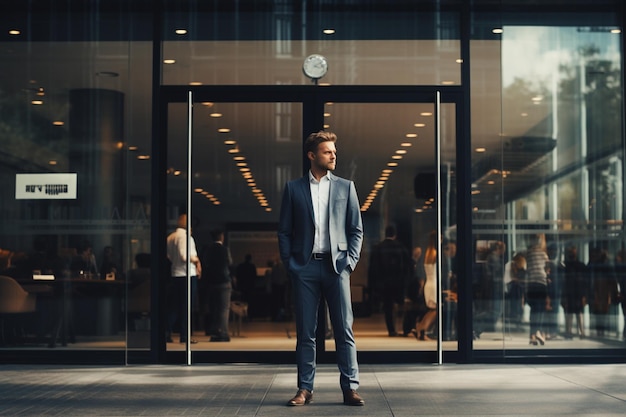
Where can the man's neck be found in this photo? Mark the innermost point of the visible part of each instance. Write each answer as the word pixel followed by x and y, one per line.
pixel 318 174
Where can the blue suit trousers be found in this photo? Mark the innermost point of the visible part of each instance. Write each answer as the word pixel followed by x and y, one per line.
pixel 315 280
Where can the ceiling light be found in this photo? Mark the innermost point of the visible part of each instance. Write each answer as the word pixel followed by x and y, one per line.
pixel 181 31
pixel 195 83
pixel 328 31
pixel 326 114
pixel 234 150
pixel 146 157
pixel 208 103
pixel 58 123
pixel 230 142
pixel 411 135
pixel 52 162
pixel 447 83
pixel 215 115
pixel 239 158
pixel 459 61
pixel 198 190
pixel 426 113
pixel 14 32
pixel 480 150
pixel 497 31
pixel 406 144
pixel 396 157
pixel 401 151
pixel 616 31
pixel 169 61
pixel 223 130
pixel 36 102
pixel 419 125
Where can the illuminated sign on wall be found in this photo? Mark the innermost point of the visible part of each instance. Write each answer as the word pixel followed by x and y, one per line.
pixel 45 186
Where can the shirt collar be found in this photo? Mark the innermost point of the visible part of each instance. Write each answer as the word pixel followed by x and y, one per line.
pixel 313 179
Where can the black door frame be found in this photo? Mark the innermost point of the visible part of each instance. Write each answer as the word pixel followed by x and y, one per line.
pixel 313 98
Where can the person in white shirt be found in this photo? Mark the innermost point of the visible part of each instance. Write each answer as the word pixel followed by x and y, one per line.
pixel 177 254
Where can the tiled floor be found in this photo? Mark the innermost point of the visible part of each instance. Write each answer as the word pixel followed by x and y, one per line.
pixel 262 390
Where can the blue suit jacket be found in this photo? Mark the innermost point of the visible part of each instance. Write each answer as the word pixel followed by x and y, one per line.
pixel 296 229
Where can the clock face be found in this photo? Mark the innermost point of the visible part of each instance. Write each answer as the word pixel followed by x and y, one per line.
pixel 315 66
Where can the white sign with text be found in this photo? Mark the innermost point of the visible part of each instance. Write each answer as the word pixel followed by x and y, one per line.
pixel 51 186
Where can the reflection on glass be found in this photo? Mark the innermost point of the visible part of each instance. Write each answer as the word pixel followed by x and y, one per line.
pixel 553 166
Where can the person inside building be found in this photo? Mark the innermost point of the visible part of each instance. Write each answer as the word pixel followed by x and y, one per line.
pixel 388 274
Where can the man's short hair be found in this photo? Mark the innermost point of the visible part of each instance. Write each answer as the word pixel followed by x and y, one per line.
pixel 314 139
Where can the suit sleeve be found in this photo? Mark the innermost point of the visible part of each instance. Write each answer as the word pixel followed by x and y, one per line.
pixel 285 226
pixel 354 224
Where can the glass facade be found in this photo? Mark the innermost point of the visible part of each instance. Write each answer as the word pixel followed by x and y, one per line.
pixel 490 136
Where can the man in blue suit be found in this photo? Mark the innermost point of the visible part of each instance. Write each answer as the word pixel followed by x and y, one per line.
pixel 320 236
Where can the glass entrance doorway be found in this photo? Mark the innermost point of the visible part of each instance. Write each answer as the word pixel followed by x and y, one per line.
pixel 400 150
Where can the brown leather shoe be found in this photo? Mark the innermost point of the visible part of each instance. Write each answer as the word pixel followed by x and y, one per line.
pixel 302 397
pixel 351 397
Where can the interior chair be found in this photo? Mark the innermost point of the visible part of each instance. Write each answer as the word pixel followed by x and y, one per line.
pixel 14 302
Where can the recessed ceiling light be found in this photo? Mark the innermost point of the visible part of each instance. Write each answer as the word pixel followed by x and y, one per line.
pixel 426 113
pixel 14 32
pixel 223 130
pixel 181 31
pixel 480 150
pixel 169 61
pixel 497 31
pixel 407 144
pixel 52 162
pixel 230 142
pixel 216 115
pixel 208 103
pixel 195 83
pixel 419 125
pixel 107 74
pixel 328 31
pixel 411 135
pixel 36 102
pixel 459 61
pixel 616 31
pixel 401 151
pixel 58 123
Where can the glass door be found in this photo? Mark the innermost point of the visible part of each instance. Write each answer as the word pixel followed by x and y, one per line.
pixel 401 156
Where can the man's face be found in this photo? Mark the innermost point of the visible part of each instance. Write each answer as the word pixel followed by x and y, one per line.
pixel 326 156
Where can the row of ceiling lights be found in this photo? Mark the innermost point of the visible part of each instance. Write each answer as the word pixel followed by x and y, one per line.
pixel 241 162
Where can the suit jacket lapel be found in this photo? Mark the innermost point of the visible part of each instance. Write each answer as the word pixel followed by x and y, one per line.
pixel 306 192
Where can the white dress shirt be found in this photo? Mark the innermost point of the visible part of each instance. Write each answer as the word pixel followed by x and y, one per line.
pixel 177 253
pixel 320 193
